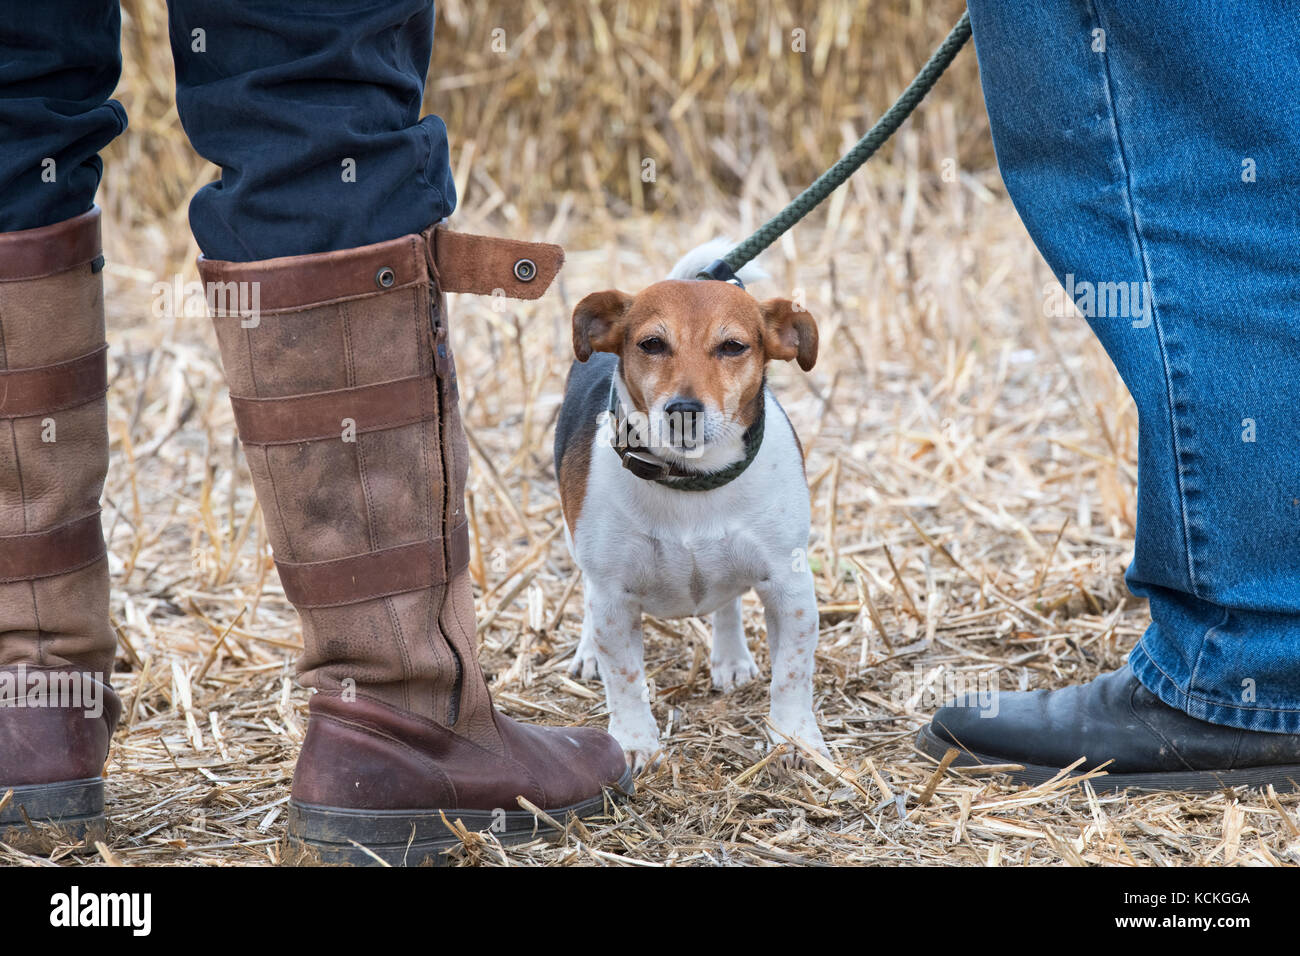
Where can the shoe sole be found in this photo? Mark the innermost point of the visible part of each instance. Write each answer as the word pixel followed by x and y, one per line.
pixel 337 836
pixel 1283 778
pixel 75 808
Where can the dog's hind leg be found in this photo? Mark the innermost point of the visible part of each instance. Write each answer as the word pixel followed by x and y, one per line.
pixel 730 662
pixel 584 663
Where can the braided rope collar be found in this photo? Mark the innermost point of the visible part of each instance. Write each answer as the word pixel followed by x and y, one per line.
pixel 650 467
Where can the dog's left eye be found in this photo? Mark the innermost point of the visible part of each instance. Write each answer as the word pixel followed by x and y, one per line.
pixel 732 347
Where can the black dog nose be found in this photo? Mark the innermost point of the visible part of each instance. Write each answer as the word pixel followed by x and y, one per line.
pixel 684 418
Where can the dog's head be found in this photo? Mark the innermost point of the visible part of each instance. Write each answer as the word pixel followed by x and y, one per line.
pixel 693 352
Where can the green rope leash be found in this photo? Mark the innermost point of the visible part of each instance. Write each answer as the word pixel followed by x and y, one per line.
pixel 727 267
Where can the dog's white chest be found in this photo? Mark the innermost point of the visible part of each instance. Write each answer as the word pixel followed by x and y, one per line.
pixel 678 554
pixel 693 572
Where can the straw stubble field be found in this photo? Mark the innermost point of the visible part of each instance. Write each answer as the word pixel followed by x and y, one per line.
pixel 971 462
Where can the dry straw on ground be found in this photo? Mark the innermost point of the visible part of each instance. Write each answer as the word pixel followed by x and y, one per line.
pixel 971 460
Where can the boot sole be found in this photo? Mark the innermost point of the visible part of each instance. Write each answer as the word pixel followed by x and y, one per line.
pixel 75 808
pixel 334 836
pixel 1283 778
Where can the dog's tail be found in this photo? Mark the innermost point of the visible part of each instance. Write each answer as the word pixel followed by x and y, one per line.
pixel 689 265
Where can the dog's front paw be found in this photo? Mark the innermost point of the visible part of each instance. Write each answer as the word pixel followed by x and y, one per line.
pixel 640 743
pixel 730 673
pixel 640 760
pixel 584 663
pixel 806 732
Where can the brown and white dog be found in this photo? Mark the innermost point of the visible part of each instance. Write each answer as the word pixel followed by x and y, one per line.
pixel 669 393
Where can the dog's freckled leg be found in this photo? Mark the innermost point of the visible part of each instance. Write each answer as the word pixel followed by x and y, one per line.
pixel 793 646
pixel 631 720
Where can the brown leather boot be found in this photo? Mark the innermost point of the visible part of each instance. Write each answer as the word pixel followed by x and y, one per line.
pixel 344 390
pixel 57 712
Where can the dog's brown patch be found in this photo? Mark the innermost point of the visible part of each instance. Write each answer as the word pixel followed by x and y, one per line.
pixel 574 466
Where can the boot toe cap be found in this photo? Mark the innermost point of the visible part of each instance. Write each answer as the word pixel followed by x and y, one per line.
pixel 961 725
pixel 597 762
pixel 602 756
pixel 570 764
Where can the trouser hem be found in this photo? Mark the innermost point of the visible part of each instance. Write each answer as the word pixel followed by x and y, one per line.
pixel 1278 720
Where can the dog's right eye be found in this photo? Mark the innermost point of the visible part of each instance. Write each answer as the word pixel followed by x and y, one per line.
pixel 653 345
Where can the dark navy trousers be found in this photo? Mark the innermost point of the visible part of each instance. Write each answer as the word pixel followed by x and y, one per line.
pixel 310 109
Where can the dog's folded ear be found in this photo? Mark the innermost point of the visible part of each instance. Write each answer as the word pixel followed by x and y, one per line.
pixel 791 332
pixel 597 323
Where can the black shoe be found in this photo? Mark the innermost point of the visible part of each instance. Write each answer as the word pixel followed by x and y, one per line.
pixel 1153 746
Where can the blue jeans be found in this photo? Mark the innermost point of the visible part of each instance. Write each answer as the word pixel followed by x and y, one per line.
pixel 1152 148
pixel 312 111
